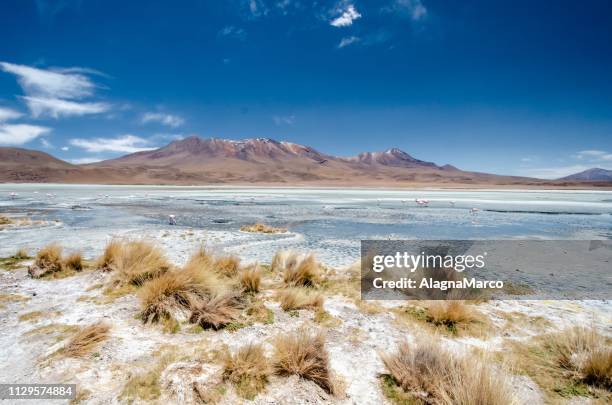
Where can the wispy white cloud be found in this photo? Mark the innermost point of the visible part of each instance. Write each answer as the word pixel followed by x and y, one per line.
pixel 7 114
pixel 596 155
pixel 56 92
pixel 170 120
pixel 86 160
pixel 49 83
pixel 166 137
pixel 414 9
pixel 232 31
pixel 19 134
pixel 45 143
pixel 284 119
pixel 348 14
pixel 56 108
pixel 346 41
pixel 126 144
pixel 65 148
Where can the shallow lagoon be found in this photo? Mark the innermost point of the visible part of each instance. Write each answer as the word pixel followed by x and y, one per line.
pixel 328 221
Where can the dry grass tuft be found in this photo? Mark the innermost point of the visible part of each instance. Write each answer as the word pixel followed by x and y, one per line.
pixel 250 279
pixel 217 312
pixel 450 313
pixel 177 290
pixel 5 220
pixel 299 298
pixel 73 262
pixel 163 296
pixel 427 373
pixel 86 340
pixel 298 270
pixel 227 265
pixel 138 261
pixel 585 353
pixel 201 259
pixel 21 254
pixel 261 228
pixel 248 369
pixel 108 260
pixel 305 355
pixel 48 260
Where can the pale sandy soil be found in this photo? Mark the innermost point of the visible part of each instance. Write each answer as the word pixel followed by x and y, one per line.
pixel 354 344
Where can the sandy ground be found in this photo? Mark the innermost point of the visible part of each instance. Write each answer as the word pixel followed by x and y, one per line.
pixel 354 343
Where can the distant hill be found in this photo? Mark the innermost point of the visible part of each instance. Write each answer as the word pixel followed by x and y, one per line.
pixel 595 174
pixel 258 161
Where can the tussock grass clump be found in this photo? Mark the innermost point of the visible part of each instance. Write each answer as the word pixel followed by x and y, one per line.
pixel 261 228
pixel 299 298
pixel 177 290
pixel 73 262
pixel 585 353
pixel 5 220
pixel 50 258
pixel 108 260
pixel 139 261
pixel 227 265
pixel 86 340
pixel 250 279
pixel 248 369
pixel 163 296
pixel 452 317
pixel 427 373
pixel 217 311
pixel 21 254
pixel 298 269
pixel 450 313
pixel 305 355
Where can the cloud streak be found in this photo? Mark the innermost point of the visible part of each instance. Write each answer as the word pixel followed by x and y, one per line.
pixel 19 134
pixel 170 120
pixel 125 144
pixel 7 114
pixel 346 41
pixel 56 92
pixel 57 108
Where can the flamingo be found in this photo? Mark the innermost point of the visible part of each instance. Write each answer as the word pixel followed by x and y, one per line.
pixel 13 195
pixel 474 211
pixel 421 202
pixel 172 219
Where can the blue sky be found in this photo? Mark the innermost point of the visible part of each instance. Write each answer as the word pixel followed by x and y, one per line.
pixel 512 87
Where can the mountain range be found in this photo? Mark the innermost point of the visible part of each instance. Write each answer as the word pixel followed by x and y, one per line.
pixel 594 174
pixel 261 161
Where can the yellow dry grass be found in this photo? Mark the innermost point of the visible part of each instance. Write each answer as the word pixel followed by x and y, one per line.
pixel 108 260
pixel 427 373
pixel 227 265
pixel 217 312
pixel 49 258
pixel 305 355
pixel 301 271
pixel 86 340
pixel 584 352
pixel 250 279
pixel 248 369
pixel 261 228
pixel 73 262
pixel 299 298
pixel 138 261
